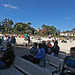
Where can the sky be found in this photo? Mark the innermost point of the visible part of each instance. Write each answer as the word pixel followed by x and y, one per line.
pixel 59 13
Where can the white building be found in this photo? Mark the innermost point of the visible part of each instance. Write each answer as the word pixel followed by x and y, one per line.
pixel 66 34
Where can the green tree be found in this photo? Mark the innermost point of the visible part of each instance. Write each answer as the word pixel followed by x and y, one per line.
pixel 23 28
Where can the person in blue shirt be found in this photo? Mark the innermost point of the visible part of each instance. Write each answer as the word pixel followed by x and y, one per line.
pixel 2 39
pixel 69 63
pixel 13 40
pixel 40 55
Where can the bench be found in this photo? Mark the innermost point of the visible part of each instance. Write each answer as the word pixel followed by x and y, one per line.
pixel 62 55
pixel 24 67
pixel 55 64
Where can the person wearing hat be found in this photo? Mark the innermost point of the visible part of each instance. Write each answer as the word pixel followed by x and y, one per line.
pixel 45 46
pixel 55 49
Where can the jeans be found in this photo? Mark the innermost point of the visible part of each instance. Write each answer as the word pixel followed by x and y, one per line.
pixel 2 65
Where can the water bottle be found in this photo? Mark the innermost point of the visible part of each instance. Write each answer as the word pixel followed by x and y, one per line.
pixel 46 63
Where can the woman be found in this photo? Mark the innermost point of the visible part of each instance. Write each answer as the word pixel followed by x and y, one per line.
pixel 7 58
pixel 69 63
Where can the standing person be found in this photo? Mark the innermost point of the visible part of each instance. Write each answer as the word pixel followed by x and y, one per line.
pixel 55 49
pixel 28 39
pixel 69 63
pixel 7 58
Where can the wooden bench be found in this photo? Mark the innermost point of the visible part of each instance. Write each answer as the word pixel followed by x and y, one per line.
pixel 55 64
pixel 62 55
pixel 24 67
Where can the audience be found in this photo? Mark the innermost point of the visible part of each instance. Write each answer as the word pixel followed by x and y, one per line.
pixel 45 46
pixel 52 43
pixel 35 54
pixel 49 47
pixel 32 52
pixel 13 40
pixel 40 55
pixel 0 40
pixel 69 63
pixel 55 49
pixel 7 58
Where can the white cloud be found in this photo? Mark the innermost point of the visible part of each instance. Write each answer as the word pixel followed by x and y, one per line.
pixel 68 18
pixel 10 6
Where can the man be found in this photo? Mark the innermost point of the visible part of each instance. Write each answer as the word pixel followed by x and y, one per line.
pixel 69 63
pixel 55 49
pixel 7 58
pixel 32 52
pixel 45 46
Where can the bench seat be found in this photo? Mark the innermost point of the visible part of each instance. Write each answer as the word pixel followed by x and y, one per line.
pixel 24 67
pixel 54 62
pixel 10 71
pixel 29 68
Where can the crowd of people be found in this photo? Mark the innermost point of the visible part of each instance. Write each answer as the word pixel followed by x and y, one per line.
pixel 36 54
pixel 7 58
pixel 7 39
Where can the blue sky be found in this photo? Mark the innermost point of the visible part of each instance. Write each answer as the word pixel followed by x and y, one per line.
pixel 59 13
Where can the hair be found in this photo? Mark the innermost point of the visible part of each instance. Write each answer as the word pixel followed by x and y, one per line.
pixel 35 44
pixel 9 37
pixel 43 42
pixel 72 48
pixel 56 42
pixel 40 45
pixel 9 44
pixel 53 40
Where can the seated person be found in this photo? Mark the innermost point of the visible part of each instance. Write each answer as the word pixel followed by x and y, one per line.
pixel 0 40
pixel 64 41
pixel 7 58
pixel 6 41
pixel 13 40
pixel 69 63
pixel 49 47
pixel 40 55
pixel 55 49
pixel 45 46
pixel 32 52
pixel 48 44
pixel 52 43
